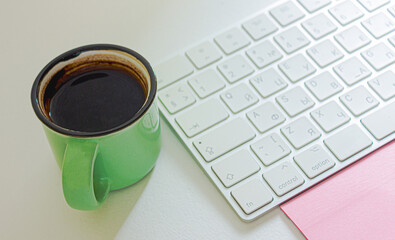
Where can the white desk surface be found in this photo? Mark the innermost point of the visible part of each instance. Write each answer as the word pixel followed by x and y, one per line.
pixel 176 201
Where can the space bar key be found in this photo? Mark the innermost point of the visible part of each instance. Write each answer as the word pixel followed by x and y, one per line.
pixel 223 139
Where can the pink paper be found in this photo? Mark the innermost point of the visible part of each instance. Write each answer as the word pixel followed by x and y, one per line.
pixel 357 203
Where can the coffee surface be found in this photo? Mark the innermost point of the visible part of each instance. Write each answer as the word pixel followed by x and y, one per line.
pixel 95 100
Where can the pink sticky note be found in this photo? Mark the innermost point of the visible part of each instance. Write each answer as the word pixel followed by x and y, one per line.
pixel 357 203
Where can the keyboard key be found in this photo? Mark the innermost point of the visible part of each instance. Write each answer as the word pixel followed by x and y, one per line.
pixel 295 101
pixel 296 68
pixel 176 97
pixel 300 132
pixel 283 178
pixel 206 83
pixel 313 5
pixel 352 71
pixel 345 12
pixel 172 70
pixel 264 54
pixel 223 139
pixel 323 86
pixel 265 117
pixel 372 5
pixel 291 40
pixel 352 39
pixel 201 117
pixel 381 123
pixel 286 13
pixel 384 85
pixel 204 54
pixel 259 27
pixel 314 161
pixel 232 40
pixel 359 100
pixel 392 40
pixel 379 56
pixel 330 116
pixel 392 10
pixel 379 25
pixel 235 68
pixel 270 149
pixel 235 168
pixel 252 195
pixel 239 98
pixel 319 26
pixel 268 82
pixel 347 142
pixel 324 53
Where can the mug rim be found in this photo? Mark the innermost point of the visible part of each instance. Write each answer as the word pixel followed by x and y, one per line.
pixel 74 53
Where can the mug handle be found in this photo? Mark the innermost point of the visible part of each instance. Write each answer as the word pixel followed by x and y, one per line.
pixel 81 190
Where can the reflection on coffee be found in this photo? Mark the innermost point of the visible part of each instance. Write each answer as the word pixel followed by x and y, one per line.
pixel 94 98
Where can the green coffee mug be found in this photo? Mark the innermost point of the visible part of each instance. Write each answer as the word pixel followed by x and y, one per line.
pixel 94 163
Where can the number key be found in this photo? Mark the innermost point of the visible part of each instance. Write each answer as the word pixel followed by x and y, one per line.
pixel 235 68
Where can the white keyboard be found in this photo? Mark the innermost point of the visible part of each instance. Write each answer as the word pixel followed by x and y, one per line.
pixel 280 101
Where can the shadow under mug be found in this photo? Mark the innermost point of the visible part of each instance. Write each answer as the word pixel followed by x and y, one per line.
pixel 94 163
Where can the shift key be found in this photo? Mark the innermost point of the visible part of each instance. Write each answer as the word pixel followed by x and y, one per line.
pixel 223 139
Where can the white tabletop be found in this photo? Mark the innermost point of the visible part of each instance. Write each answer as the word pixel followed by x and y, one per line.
pixel 176 200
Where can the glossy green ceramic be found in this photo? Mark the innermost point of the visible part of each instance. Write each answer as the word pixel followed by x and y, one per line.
pixel 95 163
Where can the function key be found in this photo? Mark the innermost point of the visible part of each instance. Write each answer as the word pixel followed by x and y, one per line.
pixel 232 40
pixel 172 70
pixel 204 54
pixel 259 27
pixel 286 13
pixel 314 5
pixel 252 195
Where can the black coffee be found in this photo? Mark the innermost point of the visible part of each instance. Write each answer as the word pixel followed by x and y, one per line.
pixel 94 99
